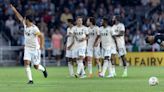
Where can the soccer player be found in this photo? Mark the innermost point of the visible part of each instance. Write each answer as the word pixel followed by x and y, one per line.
pixel 92 51
pixel 80 33
pixel 70 46
pixel 118 35
pixel 108 47
pixel 32 53
pixel 155 39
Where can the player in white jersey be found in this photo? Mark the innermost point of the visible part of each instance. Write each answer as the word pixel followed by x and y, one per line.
pixel 80 33
pixel 108 47
pixel 70 46
pixel 92 51
pixel 32 47
pixel 118 33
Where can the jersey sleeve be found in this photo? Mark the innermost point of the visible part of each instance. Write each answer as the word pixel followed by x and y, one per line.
pixel 122 27
pixel 86 30
pixel 114 31
pixel 36 31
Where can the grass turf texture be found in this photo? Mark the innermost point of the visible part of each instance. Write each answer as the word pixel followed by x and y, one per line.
pixel 13 79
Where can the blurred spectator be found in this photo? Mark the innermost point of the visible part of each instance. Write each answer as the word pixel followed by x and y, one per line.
pixel 66 15
pixel 47 17
pixel 47 44
pixel 81 10
pixel 43 26
pixel 57 45
pixel 136 41
pixel 10 24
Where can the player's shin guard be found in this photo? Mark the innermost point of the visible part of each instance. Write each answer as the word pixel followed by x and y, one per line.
pixel 70 67
pixel 41 68
pixel 28 73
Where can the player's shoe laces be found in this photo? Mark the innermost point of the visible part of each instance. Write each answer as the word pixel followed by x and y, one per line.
pixel 45 73
pixel 30 82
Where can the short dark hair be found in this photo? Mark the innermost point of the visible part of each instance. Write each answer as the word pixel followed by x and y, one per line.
pixel 70 21
pixel 79 17
pixel 92 19
pixel 105 19
pixel 146 40
pixel 30 18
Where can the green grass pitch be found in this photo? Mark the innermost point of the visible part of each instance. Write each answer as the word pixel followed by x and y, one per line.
pixel 13 79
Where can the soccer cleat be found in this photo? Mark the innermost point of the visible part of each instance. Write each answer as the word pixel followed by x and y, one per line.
pixel 45 73
pixel 77 75
pixel 83 76
pixel 110 76
pixel 125 74
pixel 30 82
pixel 100 75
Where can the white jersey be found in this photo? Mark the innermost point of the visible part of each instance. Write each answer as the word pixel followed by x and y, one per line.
pixel 93 32
pixel 70 38
pixel 116 30
pixel 31 39
pixel 106 38
pixel 80 33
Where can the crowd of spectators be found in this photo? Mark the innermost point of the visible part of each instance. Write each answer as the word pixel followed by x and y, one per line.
pixel 51 18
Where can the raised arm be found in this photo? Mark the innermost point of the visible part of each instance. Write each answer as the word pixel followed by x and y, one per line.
pixel 17 13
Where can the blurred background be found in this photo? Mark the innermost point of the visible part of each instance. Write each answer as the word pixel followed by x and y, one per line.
pixel 141 18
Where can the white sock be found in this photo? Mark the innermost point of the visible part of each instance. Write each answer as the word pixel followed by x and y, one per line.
pixel 110 68
pixel 113 69
pixel 90 67
pixel 28 72
pixel 79 66
pixel 125 69
pixel 70 67
pixel 105 66
pixel 41 68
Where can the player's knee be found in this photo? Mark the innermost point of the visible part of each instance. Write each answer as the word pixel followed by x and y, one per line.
pixel 89 59
pixel 26 63
pixel 36 66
